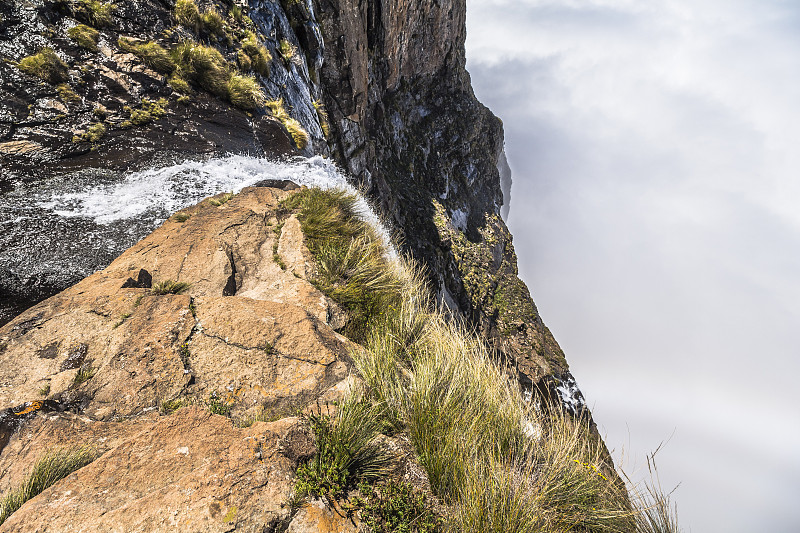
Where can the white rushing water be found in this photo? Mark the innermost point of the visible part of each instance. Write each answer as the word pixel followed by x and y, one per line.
pixel 157 193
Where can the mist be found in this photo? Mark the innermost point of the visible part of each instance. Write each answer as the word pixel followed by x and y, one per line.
pixel 654 210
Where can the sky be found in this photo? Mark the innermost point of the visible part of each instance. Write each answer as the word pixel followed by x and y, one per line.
pixel 656 215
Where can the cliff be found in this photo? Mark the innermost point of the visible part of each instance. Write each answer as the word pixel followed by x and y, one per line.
pixel 240 306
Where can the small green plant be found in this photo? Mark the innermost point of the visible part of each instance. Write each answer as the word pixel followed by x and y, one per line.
pixel 218 406
pixel 96 13
pixel 184 354
pixel 85 373
pixel 67 95
pixel 276 257
pixel 204 66
pixel 347 451
pixel 170 287
pixel 181 217
pixel 322 115
pixel 148 112
pixel 84 36
pixel 55 465
pixel 213 23
pixel 44 391
pixel 45 65
pixel 396 507
pixel 151 53
pixel 93 134
pixel 168 407
pixel 122 319
pixel 287 50
pixel 222 200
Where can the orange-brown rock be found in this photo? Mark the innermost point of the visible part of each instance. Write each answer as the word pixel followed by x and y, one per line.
pixel 96 363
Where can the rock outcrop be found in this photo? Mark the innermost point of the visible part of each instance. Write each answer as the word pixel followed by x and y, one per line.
pixel 248 336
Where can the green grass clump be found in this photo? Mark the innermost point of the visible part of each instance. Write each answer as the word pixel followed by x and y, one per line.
pixel 222 200
pixel 218 406
pixel 392 506
pixel 187 14
pixel 45 65
pixel 170 287
pixel 93 134
pixel 168 407
pixel 148 112
pixel 298 133
pixel 322 115
pixel 204 66
pixel 347 452
pixel 151 53
pixel 85 373
pixel 351 264
pixel 55 465
pixel 258 55
pixel 181 217
pixel 213 23
pixel 245 92
pixel 98 14
pixel 84 36
pixel 67 95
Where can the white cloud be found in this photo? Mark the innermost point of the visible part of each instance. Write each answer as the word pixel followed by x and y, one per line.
pixel 655 143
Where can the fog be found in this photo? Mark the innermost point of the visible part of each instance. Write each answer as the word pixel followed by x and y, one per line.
pixel 655 211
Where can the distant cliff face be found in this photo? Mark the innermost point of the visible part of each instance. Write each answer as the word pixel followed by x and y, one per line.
pixel 381 87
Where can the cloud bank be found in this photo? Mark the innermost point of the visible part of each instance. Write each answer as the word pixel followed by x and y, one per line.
pixel 655 213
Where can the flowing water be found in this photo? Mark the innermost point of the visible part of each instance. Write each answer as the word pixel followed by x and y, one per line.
pixel 60 230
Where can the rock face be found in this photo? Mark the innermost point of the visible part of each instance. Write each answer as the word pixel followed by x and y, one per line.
pixel 401 119
pixel 94 364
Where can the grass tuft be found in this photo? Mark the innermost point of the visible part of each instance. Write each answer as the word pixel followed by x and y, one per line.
pixel 222 200
pixel 170 287
pixel 287 50
pixel 148 112
pixel 96 13
pixel 204 66
pixel 295 129
pixel 84 36
pixel 187 14
pixel 55 465
pixel 260 58
pixel 85 373
pixel 67 95
pixel 245 92
pixel 93 134
pixel 151 53
pixel 347 452
pixel 45 65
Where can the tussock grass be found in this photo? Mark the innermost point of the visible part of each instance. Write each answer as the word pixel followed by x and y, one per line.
pixel 347 451
pixel 55 465
pixel 187 14
pixel 203 65
pixel 501 464
pixel 93 134
pixel 170 287
pixel 245 92
pixel 298 133
pixel 151 53
pixel 84 36
pixel 67 95
pixel 45 65
pixel 258 55
pixel 96 13
pixel 287 50
pixel 222 200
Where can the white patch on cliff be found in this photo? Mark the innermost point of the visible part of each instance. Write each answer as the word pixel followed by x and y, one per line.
pixel 459 219
pixel 169 189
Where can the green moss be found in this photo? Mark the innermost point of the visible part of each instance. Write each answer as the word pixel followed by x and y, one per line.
pixel 93 134
pixel 151 53
pixel 168 407
pixel 287 50
pixel 45 65
pixel 84 36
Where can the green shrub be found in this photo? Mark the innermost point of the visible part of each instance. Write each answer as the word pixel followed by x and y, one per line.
pixel 396 507
pixel 84 36
pixel 218 406
pixel 287 50
pixel 55 465
pixel 45 65
pixel 168 407
pixel 170 287
pixel 85 373
pixel 98 14
pixel 213 23
pixel 152 54
pixel 347 452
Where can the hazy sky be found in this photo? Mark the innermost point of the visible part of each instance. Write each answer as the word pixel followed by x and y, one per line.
pixel 656 215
